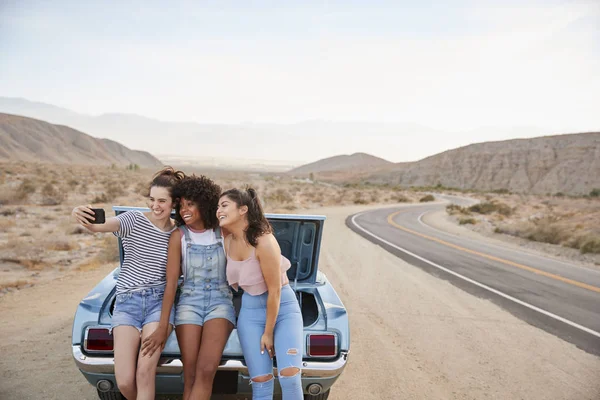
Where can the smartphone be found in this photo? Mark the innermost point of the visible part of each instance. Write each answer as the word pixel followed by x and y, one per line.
pixel 99 216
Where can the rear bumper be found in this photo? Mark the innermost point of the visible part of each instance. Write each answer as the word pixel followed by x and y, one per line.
pixel 173 366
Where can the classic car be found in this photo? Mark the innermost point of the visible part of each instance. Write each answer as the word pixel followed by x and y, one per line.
pixel 326 329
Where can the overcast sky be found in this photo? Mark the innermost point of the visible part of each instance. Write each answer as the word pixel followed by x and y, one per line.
pixel 452 65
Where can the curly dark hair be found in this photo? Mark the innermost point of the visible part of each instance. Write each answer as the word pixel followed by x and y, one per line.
pixel 258 224
pixel 204 193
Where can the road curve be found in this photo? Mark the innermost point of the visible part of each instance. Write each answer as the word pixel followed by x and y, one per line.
pixel 559 297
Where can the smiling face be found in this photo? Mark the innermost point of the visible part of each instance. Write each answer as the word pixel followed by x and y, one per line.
pixel 229 212
pixel 160 202
pixel 190 213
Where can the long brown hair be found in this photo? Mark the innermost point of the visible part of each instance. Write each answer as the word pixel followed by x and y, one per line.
pixel 257 222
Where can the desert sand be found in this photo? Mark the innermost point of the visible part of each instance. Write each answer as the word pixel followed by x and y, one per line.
pixel 413 336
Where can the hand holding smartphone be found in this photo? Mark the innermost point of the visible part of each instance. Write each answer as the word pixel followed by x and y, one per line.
pixel 99 216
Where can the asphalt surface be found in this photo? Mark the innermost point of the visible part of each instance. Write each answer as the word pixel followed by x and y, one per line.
pixel 559 297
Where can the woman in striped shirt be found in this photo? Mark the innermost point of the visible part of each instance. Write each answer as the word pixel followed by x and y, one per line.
pixel 141 281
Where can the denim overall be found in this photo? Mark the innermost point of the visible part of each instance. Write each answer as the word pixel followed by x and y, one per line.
pixel 205 294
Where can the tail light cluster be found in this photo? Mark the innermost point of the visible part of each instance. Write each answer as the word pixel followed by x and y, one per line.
pixel 322 345
pixel 98 340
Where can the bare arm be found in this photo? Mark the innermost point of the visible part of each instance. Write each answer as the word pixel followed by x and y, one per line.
pixel 268 253
pixel 83 214
pixel 158 338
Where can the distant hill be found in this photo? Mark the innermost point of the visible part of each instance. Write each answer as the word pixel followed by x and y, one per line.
pixel 356 161
pixel 27 139
pixel 550 164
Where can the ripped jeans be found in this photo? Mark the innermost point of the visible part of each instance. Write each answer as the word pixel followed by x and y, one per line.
pixel 287 339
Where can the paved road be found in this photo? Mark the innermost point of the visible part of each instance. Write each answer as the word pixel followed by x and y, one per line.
pixel 559 297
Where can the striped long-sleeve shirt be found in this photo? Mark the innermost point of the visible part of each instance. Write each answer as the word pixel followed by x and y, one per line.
pixel 145 247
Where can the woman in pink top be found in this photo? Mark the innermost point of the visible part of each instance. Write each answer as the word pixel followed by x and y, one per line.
pixel 270 321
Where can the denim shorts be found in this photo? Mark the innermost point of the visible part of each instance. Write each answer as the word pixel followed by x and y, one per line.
pixel 138 308
pixel 198 305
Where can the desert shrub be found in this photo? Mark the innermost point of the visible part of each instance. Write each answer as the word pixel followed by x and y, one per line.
pixel 101 198
pixel 110 249
pixel 465 221
pixel 489 207
pixel 452 209
pixel 141 188
pixel 19 284
pixel 26 188
pixel 83 189
pixel 595 192
pixel 7 212
pixel 592 245
pixel 279 196
pixel 547 232
pixel 60 245
pixel 400 198
pixel 427 198
pixel 114 190
pixel 51 196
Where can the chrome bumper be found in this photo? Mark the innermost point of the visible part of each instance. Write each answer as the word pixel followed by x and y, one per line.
pixel 173 366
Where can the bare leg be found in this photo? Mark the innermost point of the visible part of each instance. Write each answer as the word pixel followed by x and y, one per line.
pixel 188 337
pixel 127 343
pixel 215 335
pixel 146 370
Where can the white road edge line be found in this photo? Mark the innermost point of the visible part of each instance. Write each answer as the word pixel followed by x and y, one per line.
pixel 481 285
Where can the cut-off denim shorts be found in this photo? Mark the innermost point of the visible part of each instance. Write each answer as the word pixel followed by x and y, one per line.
pixel 138 308
pixel 205 294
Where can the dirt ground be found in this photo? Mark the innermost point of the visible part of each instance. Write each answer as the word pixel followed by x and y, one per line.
pixel 413 336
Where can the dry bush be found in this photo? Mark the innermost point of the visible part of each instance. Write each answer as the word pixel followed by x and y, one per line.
pixel 591 245
pixel 60 245
pixel 279 196
pixel 19 284
pixel 109 249
pixel 465 221
pixel 491 207
pixel 400 198
pixel 26 189
pixel 51 196
pixel 426 198
pixel 453 209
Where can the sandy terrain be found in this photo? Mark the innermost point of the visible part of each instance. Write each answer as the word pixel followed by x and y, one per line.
pixel 413 336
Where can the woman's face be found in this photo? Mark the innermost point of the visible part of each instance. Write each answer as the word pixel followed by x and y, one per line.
pixel 189 211
pixel 160 202
pixel 228 211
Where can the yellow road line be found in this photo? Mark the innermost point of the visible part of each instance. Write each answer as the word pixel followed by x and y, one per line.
pixel 390 221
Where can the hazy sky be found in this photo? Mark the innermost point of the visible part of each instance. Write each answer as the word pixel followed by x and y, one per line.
pixel 450 65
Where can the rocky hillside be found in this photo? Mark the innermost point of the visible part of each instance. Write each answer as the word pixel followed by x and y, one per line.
pixel 567 164
pixel 354 162
pixel 27 139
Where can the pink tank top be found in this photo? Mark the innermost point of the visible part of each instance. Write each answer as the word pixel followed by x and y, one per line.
pixel 248 275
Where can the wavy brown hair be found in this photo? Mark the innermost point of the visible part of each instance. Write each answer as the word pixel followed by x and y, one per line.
pixel 204 193
pixel 257 222
pixel 167 178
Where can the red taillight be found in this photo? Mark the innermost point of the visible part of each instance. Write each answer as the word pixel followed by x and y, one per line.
pixel 322 345
pixel 98 339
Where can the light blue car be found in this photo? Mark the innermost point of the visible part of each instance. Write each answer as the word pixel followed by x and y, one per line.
pixel 326 329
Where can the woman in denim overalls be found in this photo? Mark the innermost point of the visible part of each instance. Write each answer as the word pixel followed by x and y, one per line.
pixel 204 314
